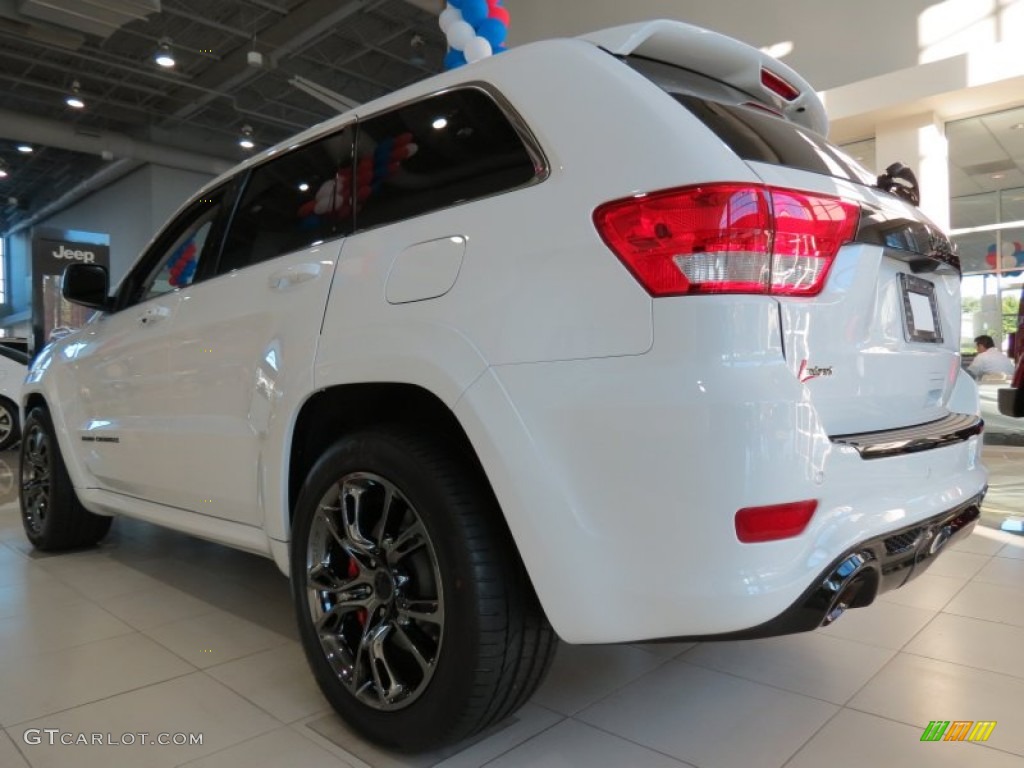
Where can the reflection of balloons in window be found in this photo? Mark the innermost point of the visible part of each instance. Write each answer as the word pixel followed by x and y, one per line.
pixel 334 197
pixel 1011 261
pixel 182 264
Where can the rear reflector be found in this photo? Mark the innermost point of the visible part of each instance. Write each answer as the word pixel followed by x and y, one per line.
pixel 778 86
pixel 728 238
pixel 774 522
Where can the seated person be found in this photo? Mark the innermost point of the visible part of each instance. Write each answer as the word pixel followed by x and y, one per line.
pixel 989 360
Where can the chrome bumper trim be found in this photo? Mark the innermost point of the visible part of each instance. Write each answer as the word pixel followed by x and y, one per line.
pixel 954 428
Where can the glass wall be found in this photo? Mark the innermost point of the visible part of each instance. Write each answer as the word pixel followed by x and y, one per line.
pixel 986 155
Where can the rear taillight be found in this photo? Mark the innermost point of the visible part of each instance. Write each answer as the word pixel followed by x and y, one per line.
pixel 728 238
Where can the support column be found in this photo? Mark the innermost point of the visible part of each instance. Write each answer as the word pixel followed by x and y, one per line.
pixel 920 142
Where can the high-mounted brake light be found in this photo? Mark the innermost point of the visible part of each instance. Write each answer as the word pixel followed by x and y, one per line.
pixel 778 85
pixel 728 238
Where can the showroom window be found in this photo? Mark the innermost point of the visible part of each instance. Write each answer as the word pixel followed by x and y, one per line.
pixel 3 273
pixel 986 154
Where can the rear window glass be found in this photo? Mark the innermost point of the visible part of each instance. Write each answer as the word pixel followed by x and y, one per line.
pixel 752 132
pixel 762 137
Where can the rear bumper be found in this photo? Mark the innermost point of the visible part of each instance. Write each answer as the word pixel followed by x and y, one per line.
pixel 872 567
pixel 620 479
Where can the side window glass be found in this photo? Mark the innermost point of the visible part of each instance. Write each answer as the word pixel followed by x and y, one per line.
pixel 291 202
pixel 430 154
pixel 191 240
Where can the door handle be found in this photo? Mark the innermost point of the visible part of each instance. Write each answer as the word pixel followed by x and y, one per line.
pixel 153 315
pixel 294 275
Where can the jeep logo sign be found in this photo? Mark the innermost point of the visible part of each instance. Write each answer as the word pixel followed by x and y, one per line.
pixel 53 251
pixel 87 257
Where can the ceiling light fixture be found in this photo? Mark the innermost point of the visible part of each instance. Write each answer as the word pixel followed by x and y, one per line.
pixel 74 98
pixel 998 176
pixel 25 148
pixel 164 56
pixel 1016 126
pixel 245 141
pixel 440 124
pixel 3 170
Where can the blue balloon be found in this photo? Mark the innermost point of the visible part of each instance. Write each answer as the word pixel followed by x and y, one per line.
pixel 492 30
pixel 474 11
pixel 455 4
pixel 454 59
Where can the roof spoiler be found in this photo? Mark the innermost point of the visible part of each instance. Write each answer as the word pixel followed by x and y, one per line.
pixel 740 65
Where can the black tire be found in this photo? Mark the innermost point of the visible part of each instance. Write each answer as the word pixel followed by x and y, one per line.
pixel 9 429
pixel 485 633
pixel 53 517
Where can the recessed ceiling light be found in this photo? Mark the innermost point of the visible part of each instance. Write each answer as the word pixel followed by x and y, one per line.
pixel 998 176
pixel 25 148
pixel 1016 126
pixel 303 187
pixel 440 124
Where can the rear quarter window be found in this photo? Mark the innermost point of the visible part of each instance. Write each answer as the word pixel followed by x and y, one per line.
pixel 440 151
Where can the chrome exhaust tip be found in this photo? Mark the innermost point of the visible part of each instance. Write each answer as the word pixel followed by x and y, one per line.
pixel 851 584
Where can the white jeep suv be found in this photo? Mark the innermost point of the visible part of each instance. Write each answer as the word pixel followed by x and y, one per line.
pixel 598 338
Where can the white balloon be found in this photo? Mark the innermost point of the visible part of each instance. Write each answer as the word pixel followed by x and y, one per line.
pixel 1008 248
pixel 459 34
pixel 448 17
pixel 1009 262
pixel 478 48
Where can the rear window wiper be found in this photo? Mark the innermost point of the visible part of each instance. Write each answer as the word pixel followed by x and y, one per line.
pixel 899 180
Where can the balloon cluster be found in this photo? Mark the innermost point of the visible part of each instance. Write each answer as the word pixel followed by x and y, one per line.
pixel 182 264
pixel 475 29
pixel 335 196
pixel 1012 258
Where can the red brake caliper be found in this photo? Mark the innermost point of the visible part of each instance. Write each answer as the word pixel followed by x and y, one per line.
pixel 353 571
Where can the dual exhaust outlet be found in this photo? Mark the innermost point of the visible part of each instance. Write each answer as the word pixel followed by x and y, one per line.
pixel 856 581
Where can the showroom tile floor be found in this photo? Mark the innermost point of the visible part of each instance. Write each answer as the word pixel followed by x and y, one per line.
pixel 156 632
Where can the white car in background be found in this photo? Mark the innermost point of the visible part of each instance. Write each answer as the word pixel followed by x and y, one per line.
pixel 13 366
pixel 598 338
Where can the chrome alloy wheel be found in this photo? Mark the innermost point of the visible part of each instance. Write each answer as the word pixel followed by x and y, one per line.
pixel 374 591
pixel 35 477
pixel 6 423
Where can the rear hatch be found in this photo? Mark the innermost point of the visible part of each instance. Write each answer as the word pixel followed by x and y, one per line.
pixel 879 347
pixel 875 341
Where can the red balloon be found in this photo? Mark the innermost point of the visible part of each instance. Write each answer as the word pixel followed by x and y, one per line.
pixel 502 14
pixel 307 208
